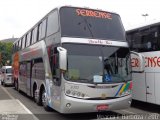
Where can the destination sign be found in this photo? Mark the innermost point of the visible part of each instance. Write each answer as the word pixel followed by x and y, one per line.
pixel 93 13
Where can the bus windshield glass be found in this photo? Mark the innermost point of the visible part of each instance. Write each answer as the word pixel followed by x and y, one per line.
pixel 9 70
pixel 92 64
pixel 88 23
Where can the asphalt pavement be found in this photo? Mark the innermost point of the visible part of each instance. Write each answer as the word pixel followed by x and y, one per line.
pixel 18 106
pixel 13 109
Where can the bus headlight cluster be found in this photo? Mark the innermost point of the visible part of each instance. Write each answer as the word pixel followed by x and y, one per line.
pixel 77 94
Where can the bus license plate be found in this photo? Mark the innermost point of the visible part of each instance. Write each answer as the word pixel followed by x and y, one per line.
pixel 102 107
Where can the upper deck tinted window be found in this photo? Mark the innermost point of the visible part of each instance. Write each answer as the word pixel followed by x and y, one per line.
pixel 88 23
pixel 52 24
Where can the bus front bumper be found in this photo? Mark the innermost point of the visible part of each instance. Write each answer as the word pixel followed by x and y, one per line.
pixel 73 105
pixel 8 81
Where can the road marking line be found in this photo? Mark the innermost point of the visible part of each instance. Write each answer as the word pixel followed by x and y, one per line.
pixel 24 107
pixel 27 110
pixel 128 111
pixel 5 90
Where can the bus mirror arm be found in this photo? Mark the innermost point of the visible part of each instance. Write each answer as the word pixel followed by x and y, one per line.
pixel 62 58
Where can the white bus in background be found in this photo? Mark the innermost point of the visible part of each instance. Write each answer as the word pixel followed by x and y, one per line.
pixel 146 41
pixel 6 75
pixel 75 60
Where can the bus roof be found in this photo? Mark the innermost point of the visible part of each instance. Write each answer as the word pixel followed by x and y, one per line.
pixel 59 7
pixel 144 26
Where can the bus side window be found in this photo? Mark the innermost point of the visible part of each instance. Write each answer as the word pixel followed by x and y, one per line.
pixel 52 24
pixel 34 35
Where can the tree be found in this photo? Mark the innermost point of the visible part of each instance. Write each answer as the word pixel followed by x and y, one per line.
pixel 5 53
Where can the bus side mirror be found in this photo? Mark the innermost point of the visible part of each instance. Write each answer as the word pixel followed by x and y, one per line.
pixel 62 58
pixel 137 62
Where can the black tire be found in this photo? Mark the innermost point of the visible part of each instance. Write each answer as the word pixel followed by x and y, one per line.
pixel 38 100
pixel 44 101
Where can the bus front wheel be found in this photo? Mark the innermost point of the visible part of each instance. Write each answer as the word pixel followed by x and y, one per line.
pixel 44 101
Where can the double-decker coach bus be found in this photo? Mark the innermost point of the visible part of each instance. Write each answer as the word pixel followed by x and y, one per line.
pixel 145 40
pixel 75 60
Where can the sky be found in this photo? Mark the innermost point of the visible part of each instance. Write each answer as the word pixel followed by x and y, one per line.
pixel 18 16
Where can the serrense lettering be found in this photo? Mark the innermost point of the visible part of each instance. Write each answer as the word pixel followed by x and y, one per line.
pixel 93 13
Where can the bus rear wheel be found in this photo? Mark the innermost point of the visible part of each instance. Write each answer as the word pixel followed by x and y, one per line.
pixel 36 97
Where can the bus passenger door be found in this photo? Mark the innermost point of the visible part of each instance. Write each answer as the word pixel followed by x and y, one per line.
pixel 56 87
pixel 23 76
pixel 138 76
pixel 139 86
pixel 150 85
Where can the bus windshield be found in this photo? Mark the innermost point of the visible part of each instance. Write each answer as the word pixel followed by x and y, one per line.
pixel 88 23
pixel 92 64
pixel 9 70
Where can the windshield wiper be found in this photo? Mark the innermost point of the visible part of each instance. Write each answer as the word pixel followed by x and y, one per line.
pixel 87 24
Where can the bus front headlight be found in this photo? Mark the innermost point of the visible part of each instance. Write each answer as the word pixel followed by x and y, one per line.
pixel 77 94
